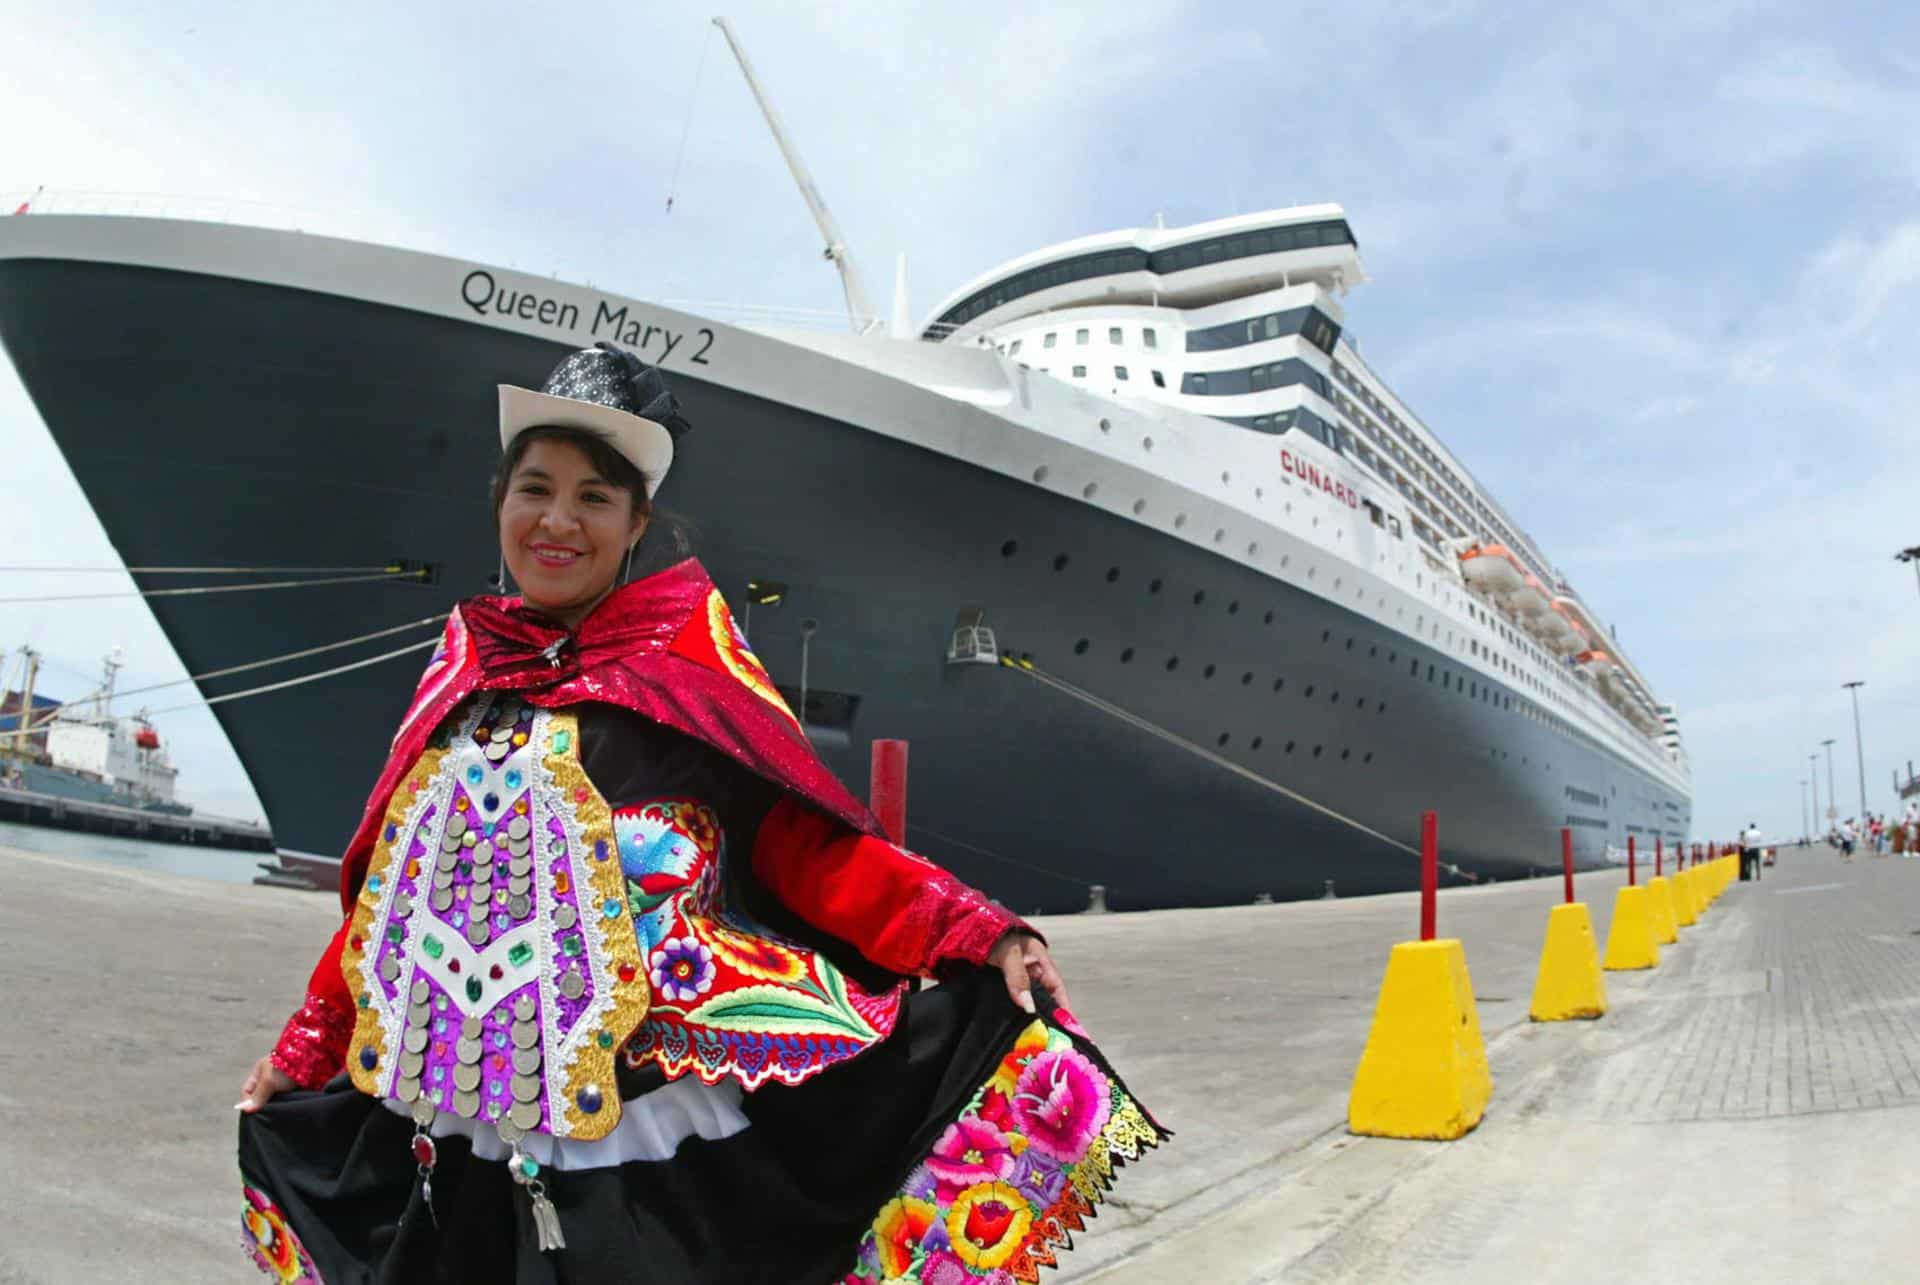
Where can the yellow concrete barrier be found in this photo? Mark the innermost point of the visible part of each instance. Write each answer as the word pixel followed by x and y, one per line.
pixel 1697 889
pixel 1424 1073
pixel 1660 899
pixel 1569 984
pixel 1630 942
pixel 1686 904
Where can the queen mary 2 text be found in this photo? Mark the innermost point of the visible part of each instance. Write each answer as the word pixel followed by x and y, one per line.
pixel 1315 476
pixel 612 319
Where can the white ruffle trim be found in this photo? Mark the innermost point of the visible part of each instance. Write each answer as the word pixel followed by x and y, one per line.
pixel 651 1127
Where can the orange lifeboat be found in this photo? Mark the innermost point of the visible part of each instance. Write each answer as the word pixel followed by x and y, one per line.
pixel 1595 664
pixel 146 738
pixel 1532 601
pixel 1562 633
pixel 1492 568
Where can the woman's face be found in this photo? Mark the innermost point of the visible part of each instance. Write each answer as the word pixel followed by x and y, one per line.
pixel 565 530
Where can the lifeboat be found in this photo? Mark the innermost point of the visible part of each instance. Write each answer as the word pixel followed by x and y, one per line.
pixel 146 738
pixel 1596 665
pixel 1531 601
pixel 1492 569
pixel 1560 632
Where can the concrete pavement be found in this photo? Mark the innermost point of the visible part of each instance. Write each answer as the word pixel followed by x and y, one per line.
pixel 136 1002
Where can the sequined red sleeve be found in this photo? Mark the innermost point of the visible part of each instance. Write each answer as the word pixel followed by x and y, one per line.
pixel 313 1045
pixel 899 910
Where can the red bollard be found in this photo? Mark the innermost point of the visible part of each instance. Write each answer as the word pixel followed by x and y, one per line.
pixel 1429 873
pixel 887 788
pixel 1566 860
pixel 1633 875
pixel 1658 854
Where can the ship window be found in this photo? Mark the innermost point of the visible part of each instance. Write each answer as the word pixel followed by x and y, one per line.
pixel 1257 379
pixel 1080 336
pixel 1210 252
pixel 1148 338
pixel 1079 372
pixel 1119 372
pixel 1195 384
pixel 1048 342
pixel 1015 349
pixel 1272 321
pixel 1159 380
pixel 1113 335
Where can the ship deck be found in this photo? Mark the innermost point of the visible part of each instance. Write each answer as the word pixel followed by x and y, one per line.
pixel 1773 1042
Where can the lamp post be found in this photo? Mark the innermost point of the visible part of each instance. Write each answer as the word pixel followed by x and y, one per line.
pixel 1911 555
pixel 1806 831
pixel 1813 779
pixel 1833 795
pixel 1859 761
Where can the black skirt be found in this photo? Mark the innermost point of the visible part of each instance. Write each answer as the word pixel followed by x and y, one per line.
pixel 966 1147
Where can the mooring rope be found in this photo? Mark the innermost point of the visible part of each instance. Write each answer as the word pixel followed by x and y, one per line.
pixel 222 588
pixel 1218 760
pixel 195 571
pixel 284 657
pixel 302 679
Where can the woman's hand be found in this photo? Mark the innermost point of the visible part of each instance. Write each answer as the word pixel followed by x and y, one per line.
pixel 261 1084
pixel 1023 959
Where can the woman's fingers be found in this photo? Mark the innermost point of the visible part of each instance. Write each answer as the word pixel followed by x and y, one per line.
pixel 1013 966
pixel 261 1084
pixel 1041 967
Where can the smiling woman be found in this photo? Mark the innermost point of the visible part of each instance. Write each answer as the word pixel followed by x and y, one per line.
pixel 608 919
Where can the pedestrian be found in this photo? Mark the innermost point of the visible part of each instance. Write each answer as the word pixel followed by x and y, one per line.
pixel 623 990
pixel 1847 837
pixel 1750 852
pixel 1911 823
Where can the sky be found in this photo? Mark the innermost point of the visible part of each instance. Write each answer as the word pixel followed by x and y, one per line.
pixel 1652 271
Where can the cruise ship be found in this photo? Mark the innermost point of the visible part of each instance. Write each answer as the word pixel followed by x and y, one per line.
pixel 1175 601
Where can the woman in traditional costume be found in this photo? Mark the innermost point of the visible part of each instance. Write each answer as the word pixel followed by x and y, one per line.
pixel 624 989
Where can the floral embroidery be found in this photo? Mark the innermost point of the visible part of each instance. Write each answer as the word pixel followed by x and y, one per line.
pixel 682 970
pixel 760 957
pixel 275 1249
pixel 730 998
pixel 1024 1166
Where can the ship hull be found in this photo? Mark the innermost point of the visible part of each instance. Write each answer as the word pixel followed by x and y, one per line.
pixel 1221 735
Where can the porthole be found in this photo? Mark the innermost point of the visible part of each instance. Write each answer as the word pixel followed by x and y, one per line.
pixel 1113 574
pixel 1259 493
pixel 1326 635
pixel 1146 443
pixel 1257 742
pixel 1288 749
pixel 1253 549
pixel 1381 707
pixel 1345 755
pixel 1080 648
pixel 1199 596
pixel 1010 548
pixel 1059 562
pixel 1226 478
pixel 1373 651
pixel 1393 658
pixel 1105 425
pixel 1126 656
pixel 1090 490
pixel 1139 507
pixel 1173 663
pixel 1334 699
pixel 1308 694
pixel 1040 474
pixel 1285 558
pixel 1222 742
pixel 1267 619
pixel 1367 757
pixel 1207 672
pixel 1279 683
pixel 1317 749
pixel 1179 520
pixel 1312 572
pixel 1219 534
pixel 1246 679
pixel 1349 644
pixel 1153 585
pixel 1359 702
pixel 1233 608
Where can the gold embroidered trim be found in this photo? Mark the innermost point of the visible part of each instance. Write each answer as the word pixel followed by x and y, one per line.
pixel 386 862
pixel 593 1060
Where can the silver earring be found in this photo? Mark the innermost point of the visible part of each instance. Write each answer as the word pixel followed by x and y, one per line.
pixel 627 572
pixel 500 576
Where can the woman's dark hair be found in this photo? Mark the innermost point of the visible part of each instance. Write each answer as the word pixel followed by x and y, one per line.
pixel 607 461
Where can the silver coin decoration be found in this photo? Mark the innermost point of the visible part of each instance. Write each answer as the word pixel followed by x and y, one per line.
pixel 526 1115
pixel 526 1061
pixel 571 986
pixel 412 1064
pixel 415 1040
pixel 478 931
pixel 442 899
pixel 466 1077
pixel 471 1028
pixel 565 917
pixel 526 1088
pixel 525 1035
pixel 518 906
pixel 408 1088
pixel 466 1104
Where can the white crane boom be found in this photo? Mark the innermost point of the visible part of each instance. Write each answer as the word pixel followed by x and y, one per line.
pixel 859 309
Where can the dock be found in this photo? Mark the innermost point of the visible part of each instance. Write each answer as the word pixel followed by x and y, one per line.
pixel 1742 1112
pixel 33 808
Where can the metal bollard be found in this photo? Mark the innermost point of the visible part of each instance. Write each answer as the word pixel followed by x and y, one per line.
pixel 1329 894
pixel 1097 899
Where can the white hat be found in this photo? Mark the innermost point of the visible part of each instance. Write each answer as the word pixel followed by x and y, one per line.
pixel 609 392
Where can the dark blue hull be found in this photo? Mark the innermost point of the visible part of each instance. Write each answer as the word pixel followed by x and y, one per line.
pixel 211 421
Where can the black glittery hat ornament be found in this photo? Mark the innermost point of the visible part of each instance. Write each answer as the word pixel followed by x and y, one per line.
pixel 608 391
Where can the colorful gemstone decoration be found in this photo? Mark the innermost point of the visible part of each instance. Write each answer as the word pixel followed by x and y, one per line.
pixel 423 1150
pixel 492 802
pixel 474 989
pixel 561 740
pixel 496 972
pixel 606 1039
pixel 475 774
pixel 453 965
pixel 581 794
pixel 599 849
pixel 562 882
pixel 570 944
pixel 356 942
pixel 395 932
pixel 626 972
pixel 514 779
pixel 373 883
pixel 520 954
pixel 431 944
pixel 611 908
pixel 589 1099
pixel 393 832
pixel 369 1057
